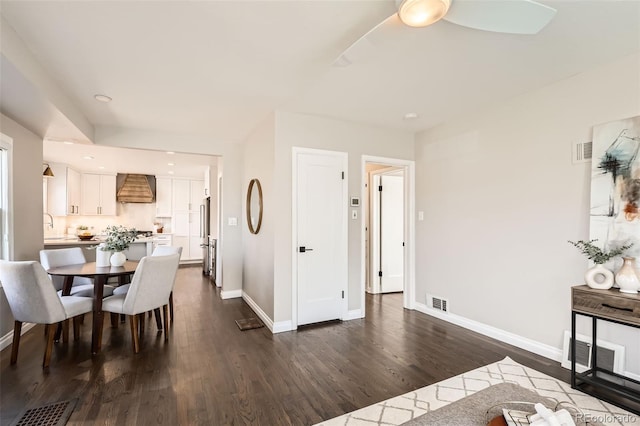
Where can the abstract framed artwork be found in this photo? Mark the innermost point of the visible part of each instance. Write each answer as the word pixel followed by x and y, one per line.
pixel 615 186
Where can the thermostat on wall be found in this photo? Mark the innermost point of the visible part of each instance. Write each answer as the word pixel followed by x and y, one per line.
pixel 355 202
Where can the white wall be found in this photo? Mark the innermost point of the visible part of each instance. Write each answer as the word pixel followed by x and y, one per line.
pixel 501 198
pixel 308 131
pixel 26 182
pixel 258 248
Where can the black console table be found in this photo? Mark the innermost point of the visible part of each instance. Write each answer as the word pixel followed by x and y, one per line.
pixel 611 306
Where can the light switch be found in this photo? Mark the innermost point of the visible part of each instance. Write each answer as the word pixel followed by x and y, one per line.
pixel 354 214
pixel 420 215
pixel 233 221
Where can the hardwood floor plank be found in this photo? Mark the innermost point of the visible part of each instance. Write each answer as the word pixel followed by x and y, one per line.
pixel 209 372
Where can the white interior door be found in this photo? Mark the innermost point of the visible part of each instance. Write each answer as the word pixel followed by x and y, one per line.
pixel 321 249
pixel 387 232
pixel 392 233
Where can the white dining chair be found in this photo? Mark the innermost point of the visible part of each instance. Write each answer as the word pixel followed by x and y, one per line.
pixel 158 251
pixel 82 286
pixel 150 289
pixel 33 299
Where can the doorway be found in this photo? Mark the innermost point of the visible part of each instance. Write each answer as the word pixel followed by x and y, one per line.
pixel 388 228
pixel 385 229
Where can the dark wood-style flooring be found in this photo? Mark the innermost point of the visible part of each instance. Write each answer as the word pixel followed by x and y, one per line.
pixel 211 373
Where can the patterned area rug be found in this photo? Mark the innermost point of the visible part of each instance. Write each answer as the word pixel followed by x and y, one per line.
pixel 403 408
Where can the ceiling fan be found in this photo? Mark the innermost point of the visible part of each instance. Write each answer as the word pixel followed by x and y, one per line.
pixel 501 16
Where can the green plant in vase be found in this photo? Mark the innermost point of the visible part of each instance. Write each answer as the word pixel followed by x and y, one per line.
pixel 118 239
pixel 598 276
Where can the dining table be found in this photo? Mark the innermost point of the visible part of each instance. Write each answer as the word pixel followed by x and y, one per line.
pixel 100 277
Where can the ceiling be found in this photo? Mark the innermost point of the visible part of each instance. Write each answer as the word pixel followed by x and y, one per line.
pixel 218 68
pixel 109 160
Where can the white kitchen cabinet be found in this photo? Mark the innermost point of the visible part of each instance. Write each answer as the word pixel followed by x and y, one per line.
pixel 63 191
pixel 207 182
pixel 181 194
pixel 98 194
pixel 164 191
pixel 187 198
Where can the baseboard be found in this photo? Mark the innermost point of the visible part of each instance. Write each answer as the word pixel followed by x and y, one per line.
pixel 633 376
pixel 282 326
pixel 7 339
pixel 541 349
pixel 258 310
pixel 351 315
pixel 230 294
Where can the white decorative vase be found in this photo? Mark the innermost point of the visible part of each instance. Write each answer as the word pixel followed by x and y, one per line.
pixel 102 257
pixel 118 258
pixel 599 277
pixel 626 277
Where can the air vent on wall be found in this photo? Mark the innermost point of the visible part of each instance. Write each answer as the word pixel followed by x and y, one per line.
pixel 438 303
pixel 582 152
pixel 610 356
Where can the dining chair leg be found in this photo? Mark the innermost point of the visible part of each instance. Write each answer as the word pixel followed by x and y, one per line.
pixel 57 332
pixel 123 318
pixel 114 320
pixel 49 348
pixel 17 329
pixel 65 331
pixel 141 324
pixel 156 313
pixel 77 320
pixel 165 312
pixel 133 323
pixel 171 306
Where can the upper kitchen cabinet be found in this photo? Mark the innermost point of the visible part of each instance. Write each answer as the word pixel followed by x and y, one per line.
pixel 63 191
pixel 187 194
pixel 207 182
pixel 98 194
pixel 164 193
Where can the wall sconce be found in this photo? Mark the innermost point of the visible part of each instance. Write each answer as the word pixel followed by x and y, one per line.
pixel 48 173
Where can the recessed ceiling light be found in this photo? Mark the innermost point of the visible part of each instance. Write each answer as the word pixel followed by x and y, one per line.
pixel 170 164
pixel 101 167
pixel 411 116
pixel 102 98
pixel 67 143
pixel 88 157
pixel 170 172
pixel 170 152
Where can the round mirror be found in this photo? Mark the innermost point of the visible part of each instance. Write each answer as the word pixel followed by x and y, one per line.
pixel 254 206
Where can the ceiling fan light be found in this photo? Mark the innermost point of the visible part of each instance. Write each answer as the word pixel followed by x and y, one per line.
pixel 420 13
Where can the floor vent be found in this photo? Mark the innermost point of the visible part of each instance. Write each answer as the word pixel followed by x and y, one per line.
pixel 56 414
pixel 582 152
pixel 438 303
pixel 610 356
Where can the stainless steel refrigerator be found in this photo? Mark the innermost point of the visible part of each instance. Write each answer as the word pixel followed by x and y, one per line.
pixel 205 220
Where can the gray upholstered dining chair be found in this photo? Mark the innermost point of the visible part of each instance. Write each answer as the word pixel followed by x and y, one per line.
pixel 82 286
pixel 149 289
pixel 158 251
pixel 33 299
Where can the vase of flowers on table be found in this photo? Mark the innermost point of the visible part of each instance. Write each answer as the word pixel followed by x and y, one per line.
pixel 118 239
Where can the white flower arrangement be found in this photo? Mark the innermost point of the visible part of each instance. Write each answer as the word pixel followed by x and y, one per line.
pixel 118 238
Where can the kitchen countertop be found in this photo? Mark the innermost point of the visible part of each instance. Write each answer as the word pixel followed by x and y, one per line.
pixel 65 241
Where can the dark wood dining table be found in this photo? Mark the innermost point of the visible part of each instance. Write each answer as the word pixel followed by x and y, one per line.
pixel 100 277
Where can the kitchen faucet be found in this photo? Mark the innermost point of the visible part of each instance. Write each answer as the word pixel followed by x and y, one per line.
pixel 50 224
